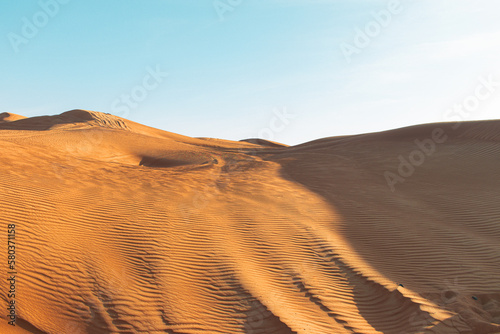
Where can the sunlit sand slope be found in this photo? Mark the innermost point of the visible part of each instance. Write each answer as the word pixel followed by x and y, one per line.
pixel 122 228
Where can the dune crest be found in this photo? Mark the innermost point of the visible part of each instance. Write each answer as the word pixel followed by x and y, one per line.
pixel 9 117
pixel 123 228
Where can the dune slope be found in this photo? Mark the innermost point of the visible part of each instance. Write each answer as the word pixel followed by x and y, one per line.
pixel 123 228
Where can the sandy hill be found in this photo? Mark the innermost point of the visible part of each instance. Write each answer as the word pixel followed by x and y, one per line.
pixel 8 117
pixel 123 228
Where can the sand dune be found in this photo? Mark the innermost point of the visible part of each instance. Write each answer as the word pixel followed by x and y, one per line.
pixel 123 228
pixel 8 117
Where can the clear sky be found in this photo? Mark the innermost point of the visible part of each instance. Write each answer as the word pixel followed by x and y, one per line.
pixel 228 68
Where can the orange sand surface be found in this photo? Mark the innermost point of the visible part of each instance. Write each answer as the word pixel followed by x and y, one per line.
pixel 123 228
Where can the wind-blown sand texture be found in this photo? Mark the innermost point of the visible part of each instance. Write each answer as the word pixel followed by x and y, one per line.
pixel 123 228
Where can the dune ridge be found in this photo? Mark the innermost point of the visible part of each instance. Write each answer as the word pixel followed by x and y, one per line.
pixel 9 117
pixel 123 228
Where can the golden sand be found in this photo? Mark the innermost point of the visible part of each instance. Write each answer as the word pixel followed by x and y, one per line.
pixel 123 228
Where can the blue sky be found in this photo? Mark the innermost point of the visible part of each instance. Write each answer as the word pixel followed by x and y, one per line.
pixel 229 67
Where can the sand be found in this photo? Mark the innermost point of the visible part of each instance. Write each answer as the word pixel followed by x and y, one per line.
pixel 123 228
pixel 8 117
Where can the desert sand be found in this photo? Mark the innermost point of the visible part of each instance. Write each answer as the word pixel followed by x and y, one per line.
pixel 123 228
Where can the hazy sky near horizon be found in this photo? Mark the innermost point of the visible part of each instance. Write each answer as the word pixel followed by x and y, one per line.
pixel 227 69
